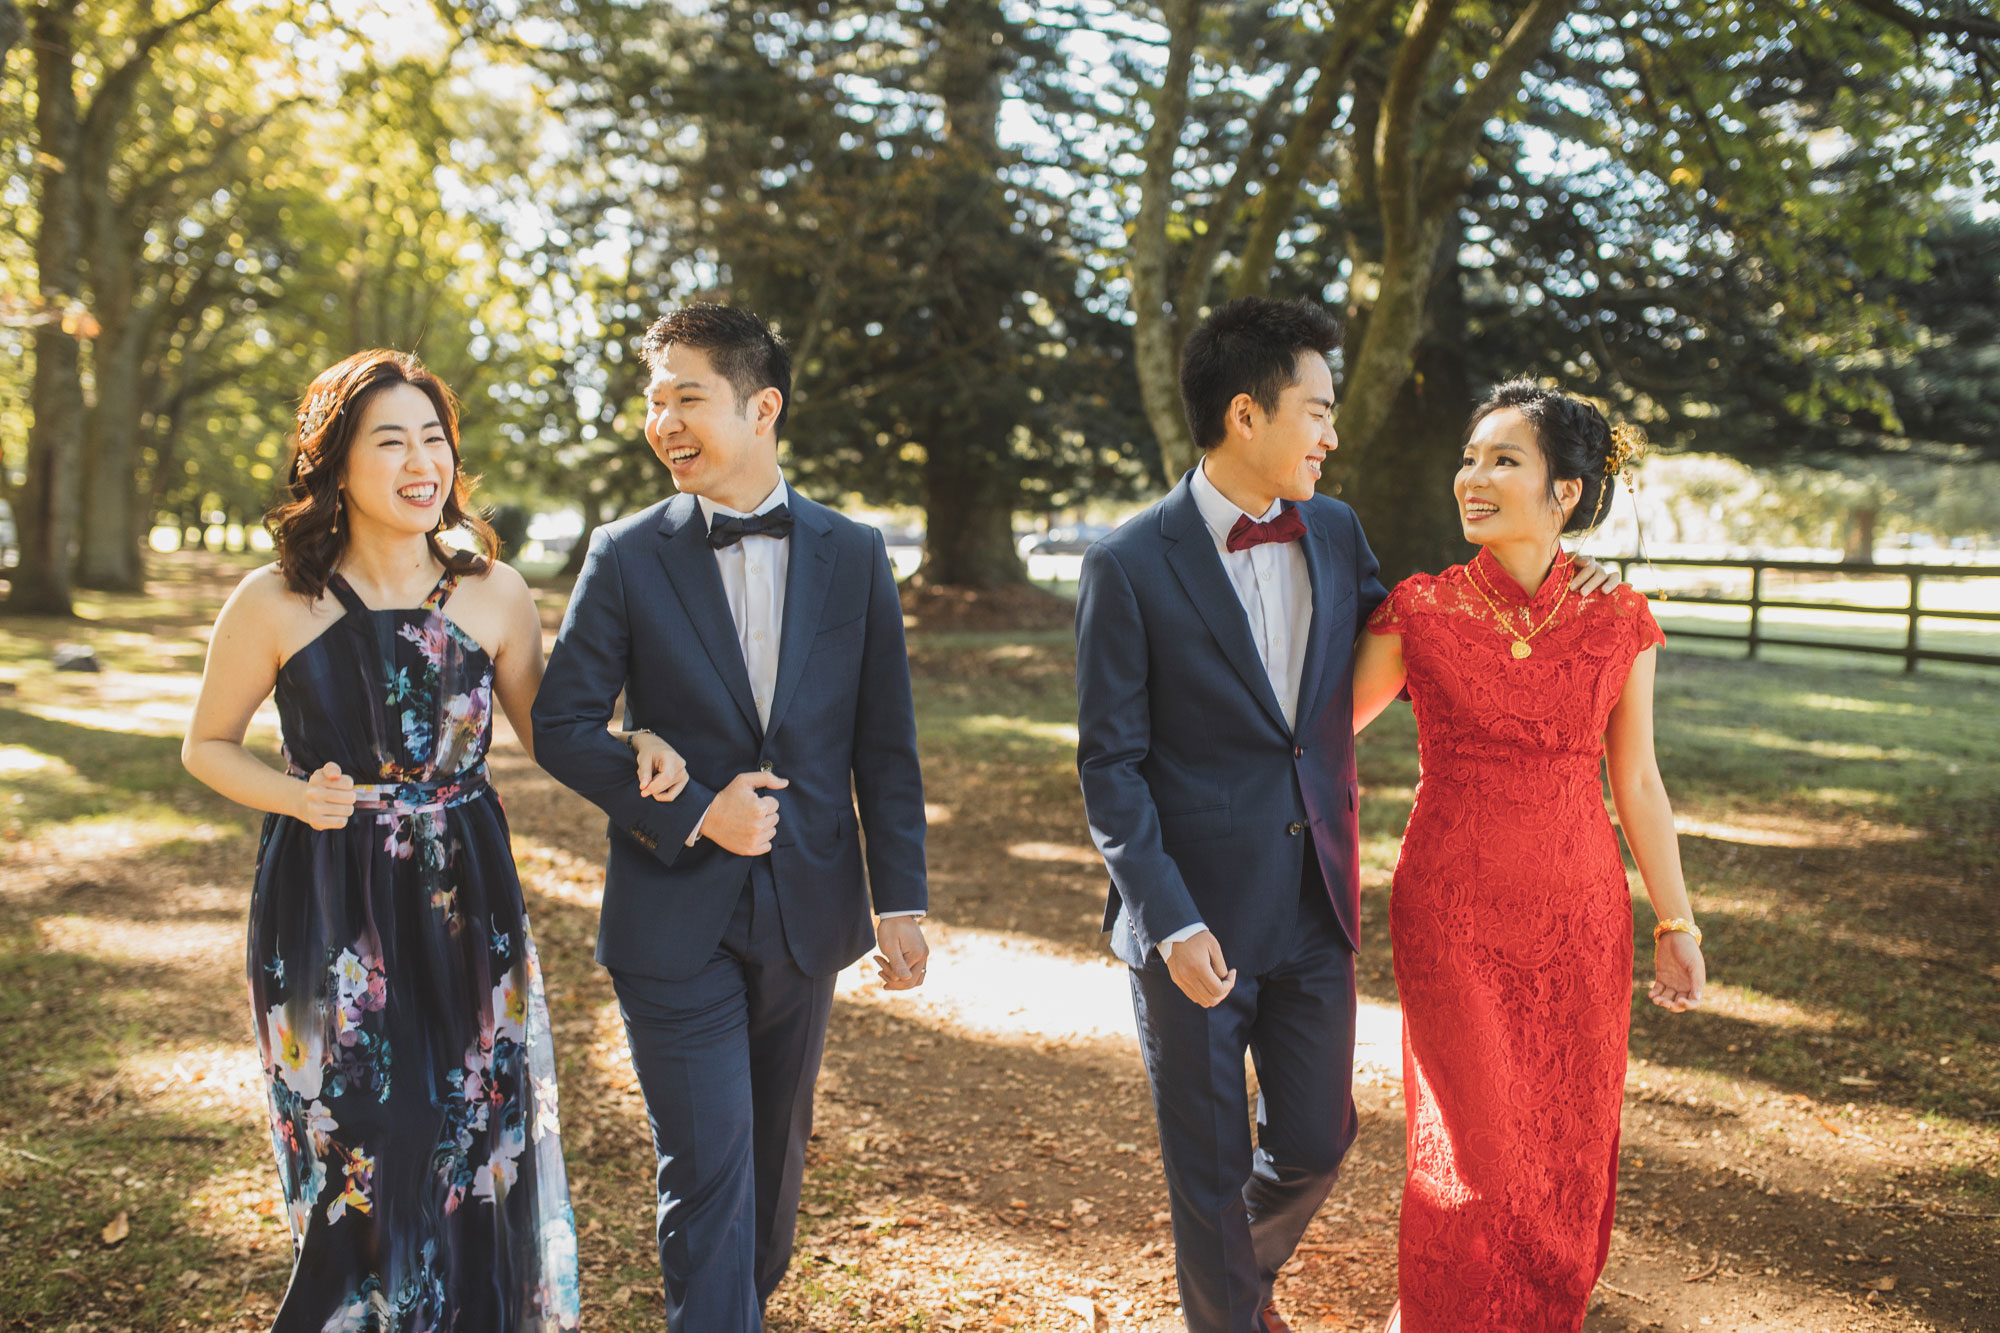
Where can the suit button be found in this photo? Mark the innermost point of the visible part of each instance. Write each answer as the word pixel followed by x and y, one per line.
pixel 1298 752
pixel 1295 828
pixel 764 767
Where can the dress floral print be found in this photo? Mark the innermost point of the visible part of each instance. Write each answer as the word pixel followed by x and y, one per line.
pixel 399 1004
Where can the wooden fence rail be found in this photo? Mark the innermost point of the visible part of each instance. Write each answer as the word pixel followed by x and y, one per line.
pixel 1912 611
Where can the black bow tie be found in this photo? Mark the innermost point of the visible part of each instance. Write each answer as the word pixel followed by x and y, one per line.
pixel 724 530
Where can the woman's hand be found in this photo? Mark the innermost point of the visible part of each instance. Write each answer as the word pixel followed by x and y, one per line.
pixel 329 799
pixel 662 772
pixel 1678 972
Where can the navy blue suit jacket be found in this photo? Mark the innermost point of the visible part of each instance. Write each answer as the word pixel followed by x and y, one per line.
pixel 1199 796
pixel 649 617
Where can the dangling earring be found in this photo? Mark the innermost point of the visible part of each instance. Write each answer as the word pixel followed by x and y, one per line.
pixel 339 506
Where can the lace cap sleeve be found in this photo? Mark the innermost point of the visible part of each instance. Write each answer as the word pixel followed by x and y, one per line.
pixel 1631 607
pixel 1389 617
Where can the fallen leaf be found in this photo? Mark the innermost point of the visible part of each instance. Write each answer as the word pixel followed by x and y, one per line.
pixel 1856 1081
pixel 816 1210
pixel 1887 1283
pixel 1830 1127
pixel 187 1281
pixel 117 1229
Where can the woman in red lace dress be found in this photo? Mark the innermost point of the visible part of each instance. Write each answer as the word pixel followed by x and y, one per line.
pixel 1510 913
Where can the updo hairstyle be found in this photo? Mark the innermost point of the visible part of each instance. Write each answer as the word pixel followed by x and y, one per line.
pixel 1577 443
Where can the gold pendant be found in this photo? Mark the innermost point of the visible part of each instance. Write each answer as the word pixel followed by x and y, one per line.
pixel 1521 649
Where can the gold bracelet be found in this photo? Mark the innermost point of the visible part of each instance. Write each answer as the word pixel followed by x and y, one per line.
pixel 1680 923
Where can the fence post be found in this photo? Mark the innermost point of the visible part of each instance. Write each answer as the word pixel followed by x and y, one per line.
pixel 1910 642
pixel 1756 608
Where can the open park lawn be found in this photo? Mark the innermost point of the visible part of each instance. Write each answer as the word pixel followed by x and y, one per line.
pixel 1814 1150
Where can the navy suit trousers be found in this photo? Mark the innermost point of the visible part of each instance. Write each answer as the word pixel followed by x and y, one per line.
pixel 1240 1209
pixel 727 1060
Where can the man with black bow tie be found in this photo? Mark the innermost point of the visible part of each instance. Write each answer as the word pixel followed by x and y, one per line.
pixel 760 635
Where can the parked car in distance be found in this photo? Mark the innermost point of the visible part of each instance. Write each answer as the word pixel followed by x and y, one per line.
pixel 1072 539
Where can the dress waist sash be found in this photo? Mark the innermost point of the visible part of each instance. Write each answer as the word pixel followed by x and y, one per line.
pixel 393 801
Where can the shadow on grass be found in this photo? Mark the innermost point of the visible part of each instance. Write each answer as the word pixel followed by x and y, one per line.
pixel 80 1148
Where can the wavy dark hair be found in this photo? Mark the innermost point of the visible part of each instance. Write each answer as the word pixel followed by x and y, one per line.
pixel 305 526
pixel 1577 442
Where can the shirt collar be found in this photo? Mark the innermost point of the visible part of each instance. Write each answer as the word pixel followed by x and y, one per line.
pixel 1218 510
pixel 709 508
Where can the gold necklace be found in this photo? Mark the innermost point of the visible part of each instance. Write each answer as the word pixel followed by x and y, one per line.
pixel 1520 647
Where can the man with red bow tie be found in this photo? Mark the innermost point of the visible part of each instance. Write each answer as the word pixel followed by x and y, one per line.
pixel 1215 635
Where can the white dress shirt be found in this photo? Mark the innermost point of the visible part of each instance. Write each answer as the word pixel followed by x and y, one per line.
pixel 754 571
pixel 753 581
pixel 1276 592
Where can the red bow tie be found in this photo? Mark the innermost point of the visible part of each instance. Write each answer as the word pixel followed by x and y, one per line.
pixel 1248 532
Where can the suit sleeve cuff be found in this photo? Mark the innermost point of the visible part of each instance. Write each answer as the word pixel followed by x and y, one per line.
pixel 694 834
pixel 1184 933
pixel 908 911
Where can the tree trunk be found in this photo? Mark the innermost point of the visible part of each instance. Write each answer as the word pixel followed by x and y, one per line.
pixel 1404 493
pixel 48 509
pixel 969 529
pixel 969 474
pixel 108 555
pixel 1158 329
pixel 1861 534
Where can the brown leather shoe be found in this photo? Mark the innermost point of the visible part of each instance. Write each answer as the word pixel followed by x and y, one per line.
pixel 1271 1321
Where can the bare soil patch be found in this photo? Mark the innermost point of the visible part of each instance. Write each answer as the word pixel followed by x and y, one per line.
pixel 1814 1152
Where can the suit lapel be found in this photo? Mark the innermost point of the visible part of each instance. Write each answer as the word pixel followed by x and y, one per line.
pixel 1319 569
pixel 690 567
pixel 807 577
pixel 1193 559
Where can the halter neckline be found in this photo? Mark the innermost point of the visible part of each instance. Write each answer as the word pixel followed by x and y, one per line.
pixel 434 600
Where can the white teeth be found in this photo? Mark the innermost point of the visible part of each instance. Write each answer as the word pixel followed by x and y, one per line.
pixel 419 493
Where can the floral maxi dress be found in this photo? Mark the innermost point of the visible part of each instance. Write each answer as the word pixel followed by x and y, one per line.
pixel 398 1002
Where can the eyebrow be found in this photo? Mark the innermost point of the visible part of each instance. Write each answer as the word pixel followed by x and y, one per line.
pixel 432 424
pixel 1320 402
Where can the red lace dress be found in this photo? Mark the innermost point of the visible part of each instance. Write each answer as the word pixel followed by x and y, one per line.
pixel 1512 923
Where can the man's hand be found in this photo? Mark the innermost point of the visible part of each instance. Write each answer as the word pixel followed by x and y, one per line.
pixel 1591 577
pixel 1197 968
pixel 741 821
pixel 901 962
pixel 329 798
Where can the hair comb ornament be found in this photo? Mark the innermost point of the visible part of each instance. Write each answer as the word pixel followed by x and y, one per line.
pixel 314 413
pixel 1628 445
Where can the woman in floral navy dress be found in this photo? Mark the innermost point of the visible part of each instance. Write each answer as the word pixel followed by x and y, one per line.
pixel 1510 911
pixel 394 982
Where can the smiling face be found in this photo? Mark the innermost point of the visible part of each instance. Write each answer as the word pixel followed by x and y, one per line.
pixel 712 446
pixel 400 465
pixel 1280 454
pixel 1502 485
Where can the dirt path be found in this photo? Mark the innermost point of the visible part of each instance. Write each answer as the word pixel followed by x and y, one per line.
pixel 985 1155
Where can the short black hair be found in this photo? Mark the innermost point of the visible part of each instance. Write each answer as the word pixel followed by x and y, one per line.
pixel 739 345
pixel 1575 438
pixel 1251 345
